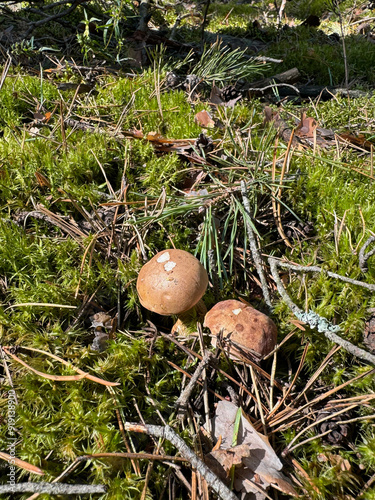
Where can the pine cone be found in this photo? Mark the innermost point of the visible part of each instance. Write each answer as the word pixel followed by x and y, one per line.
pixel 230 92
pixel 204 143
pixel 295 230
pixel 173 81
pixel 339 432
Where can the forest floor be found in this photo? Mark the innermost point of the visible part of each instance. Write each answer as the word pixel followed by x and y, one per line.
pixel 244 134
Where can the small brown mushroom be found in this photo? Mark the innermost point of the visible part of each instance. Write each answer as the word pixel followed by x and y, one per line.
pixel 172 282
pixel 244 325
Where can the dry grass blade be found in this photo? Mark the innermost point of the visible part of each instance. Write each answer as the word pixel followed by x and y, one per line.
pixel 141 456
pixel 276 205
pixel 292 384
pixel 5 70
pixel 290 448
pixel 40 304
pixel 186 374
pixel 21 463
pixel 289 412
pixel 70 227
pixel 323 365
pixel 66 378
pixel 241 386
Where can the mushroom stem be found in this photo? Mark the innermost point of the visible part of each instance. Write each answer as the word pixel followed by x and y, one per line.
pixel 187 322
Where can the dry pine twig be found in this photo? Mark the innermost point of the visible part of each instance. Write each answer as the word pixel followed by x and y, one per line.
pixel 314 320
pixel 168 433
pixel 66 378
pixel 53 488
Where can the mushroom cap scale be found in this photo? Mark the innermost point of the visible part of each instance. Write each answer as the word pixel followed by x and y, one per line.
pixel 172 282
pixel 247 327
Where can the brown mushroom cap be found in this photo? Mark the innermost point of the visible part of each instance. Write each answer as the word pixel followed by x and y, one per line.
pixel 172 282
pixel 248 327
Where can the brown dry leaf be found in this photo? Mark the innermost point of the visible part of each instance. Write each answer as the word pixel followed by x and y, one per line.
pixel 231 457
pixel 335 461
pixel 306 127
pixel 357 140
pixel 216 96
pixel 204 119
pixel 38 116
pixel 21 463
pixel 260 466
pixel 270 115
pixel 217 445
pixel 369 332
pixel 42 180
pixel 137 134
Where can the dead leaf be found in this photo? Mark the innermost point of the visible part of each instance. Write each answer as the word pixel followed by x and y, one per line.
pixel 216 97
pixel 306 127
pixel 357 140
pixel 204 119
pixel 42 180
pixel 260 467
pixel 217 445
pixel 369 332
pixel 38 116
pixel 231 457
pixel 335 460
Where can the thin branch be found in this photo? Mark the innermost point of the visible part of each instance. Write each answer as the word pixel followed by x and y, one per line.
pixel 317 269
pixel 313 319
pixel 144 15
pixel 168 433
pixel 254 248
pixel 53 488
pixel 181 403
pixel 53 17
pixel 204 23
pixel 363 257
pixel 141 456
pixel 281 11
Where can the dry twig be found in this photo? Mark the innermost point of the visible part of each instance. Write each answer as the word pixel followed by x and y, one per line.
pixel 168 433
pixel 363 257
pixel 181 403
pixel 254 248
pixel 313 319
pixel 53 488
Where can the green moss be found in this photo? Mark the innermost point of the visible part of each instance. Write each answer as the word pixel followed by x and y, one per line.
pixel 42 264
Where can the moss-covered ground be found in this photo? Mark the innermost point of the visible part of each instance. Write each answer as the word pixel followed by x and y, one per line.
pixel 82 209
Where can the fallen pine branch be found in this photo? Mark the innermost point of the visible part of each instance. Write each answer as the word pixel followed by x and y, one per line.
pixel 254 248
pixel 286 78
pixel 53 488
pixel 168 433
pixel 363 257
pixel 312 318
pixel 53 17
pixel 182 401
